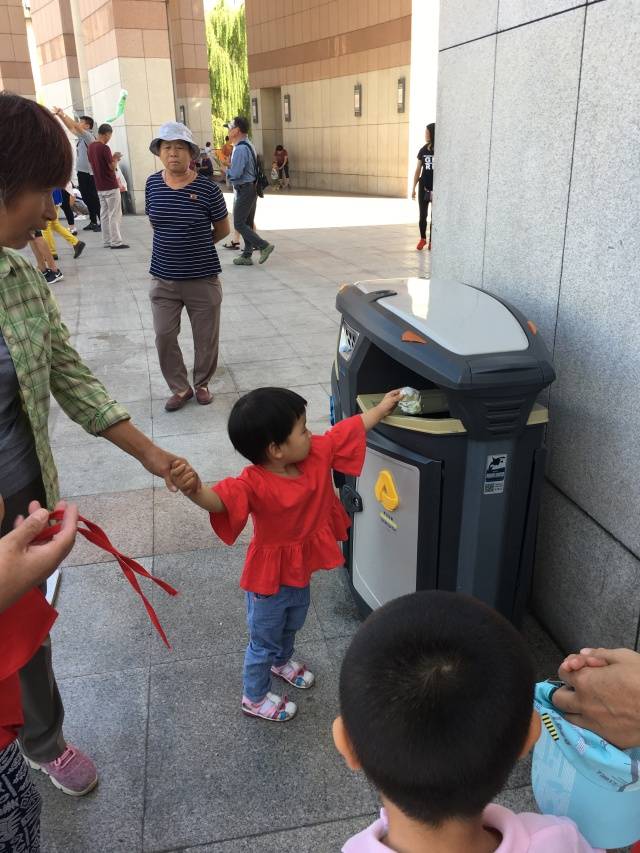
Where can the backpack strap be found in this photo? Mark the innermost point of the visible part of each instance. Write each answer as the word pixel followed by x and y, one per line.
pixel 253 156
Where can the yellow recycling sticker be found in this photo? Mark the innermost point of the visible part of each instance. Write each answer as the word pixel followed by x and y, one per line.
pixel 386 492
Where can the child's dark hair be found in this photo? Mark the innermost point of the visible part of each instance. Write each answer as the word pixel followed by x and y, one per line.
pixel 262 417
pixel 436 695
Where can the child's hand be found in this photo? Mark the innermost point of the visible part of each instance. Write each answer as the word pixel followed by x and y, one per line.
pixel 384 408
pixel 390 401
pixel 576 662
pixel 184 477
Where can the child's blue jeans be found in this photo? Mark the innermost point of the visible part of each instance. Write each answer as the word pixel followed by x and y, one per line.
pixel 273 621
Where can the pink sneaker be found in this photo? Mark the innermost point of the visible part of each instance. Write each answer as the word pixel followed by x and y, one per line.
pixel 74 773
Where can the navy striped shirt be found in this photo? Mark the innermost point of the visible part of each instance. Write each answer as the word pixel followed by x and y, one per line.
pixel 182 241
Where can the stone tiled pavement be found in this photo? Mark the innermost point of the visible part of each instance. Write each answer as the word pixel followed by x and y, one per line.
pixel 181 768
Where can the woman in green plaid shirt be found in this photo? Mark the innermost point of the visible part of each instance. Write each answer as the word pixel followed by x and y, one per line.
pixel 36 360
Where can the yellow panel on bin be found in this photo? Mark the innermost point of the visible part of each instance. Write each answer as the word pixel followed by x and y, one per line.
pixel 386 492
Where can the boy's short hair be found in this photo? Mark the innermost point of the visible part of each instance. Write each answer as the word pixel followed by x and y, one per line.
pixel 105 128
pixel 88 120
pixel 436 696
pixel 262 417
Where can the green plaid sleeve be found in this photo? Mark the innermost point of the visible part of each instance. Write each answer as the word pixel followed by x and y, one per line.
pixel 83 397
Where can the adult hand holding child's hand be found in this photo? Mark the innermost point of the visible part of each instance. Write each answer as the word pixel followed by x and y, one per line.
pixel 184 477
pixel 603 694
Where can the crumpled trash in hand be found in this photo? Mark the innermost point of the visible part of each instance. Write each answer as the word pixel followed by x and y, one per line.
pixel 410 402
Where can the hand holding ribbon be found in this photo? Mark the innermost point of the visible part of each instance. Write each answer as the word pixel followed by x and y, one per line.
pixel 129 566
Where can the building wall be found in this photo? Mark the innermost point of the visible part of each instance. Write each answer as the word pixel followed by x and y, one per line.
pixel 316 51
pixel 127 47
pixel 56 56
pixel 536 197
pixel 15 66
pixel 190 63
pixel 156 51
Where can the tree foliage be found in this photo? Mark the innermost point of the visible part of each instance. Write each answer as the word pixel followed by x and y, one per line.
pixel 228 69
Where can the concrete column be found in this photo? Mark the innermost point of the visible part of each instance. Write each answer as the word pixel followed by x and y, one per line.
pixel 52 25
pixel 191 66
pixel 126 44
pixel 15 67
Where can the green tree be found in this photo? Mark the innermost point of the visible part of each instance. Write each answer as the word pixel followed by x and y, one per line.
pixel 228 69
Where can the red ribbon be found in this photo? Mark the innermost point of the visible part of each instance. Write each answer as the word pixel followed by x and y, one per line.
pixel 129 566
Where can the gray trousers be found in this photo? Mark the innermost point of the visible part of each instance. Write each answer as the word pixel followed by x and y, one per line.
pixel 244 211
pixel 202 297
pixel 41 736
pixel 110 216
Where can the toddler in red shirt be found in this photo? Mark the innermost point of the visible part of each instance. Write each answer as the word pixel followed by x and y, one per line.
pixel 297 523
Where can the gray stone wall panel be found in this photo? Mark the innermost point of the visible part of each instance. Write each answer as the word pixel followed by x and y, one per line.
pixel 595 404
pixel 535 100
pixel 461 163
pixel 462 20
pixel 585 588
pixel 513 13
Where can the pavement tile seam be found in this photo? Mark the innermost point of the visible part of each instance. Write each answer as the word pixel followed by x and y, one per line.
pixel 279 831
pixel 67 679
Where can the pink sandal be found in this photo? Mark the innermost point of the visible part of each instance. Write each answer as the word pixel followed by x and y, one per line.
pixel 296 674
pixel 275 708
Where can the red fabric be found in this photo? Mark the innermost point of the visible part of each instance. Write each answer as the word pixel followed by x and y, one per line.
pixel 23 628
pixel 100 157
pixel 280 157
pixel 128 565
pixel 297 523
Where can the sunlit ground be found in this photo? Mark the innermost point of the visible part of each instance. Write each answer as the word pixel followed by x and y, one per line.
pixel 282 210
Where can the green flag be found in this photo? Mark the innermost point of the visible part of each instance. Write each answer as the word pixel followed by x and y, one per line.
pixel 122 103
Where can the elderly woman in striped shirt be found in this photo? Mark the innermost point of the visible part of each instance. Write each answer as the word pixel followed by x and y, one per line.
pixel 188 214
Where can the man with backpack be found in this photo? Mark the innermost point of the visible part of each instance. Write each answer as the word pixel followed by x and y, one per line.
pixel 248 181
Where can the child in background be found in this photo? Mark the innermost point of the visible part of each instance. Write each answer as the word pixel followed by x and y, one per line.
pixel 56 225
pixel 44 259
pixel 436 694
pixel 297 521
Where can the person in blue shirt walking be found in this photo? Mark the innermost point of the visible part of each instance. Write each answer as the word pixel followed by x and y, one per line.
pixel 242 175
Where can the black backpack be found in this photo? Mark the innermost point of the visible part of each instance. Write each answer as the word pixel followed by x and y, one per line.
pixel 261 181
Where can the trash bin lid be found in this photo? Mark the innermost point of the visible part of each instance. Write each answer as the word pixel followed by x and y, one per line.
pixel 460 318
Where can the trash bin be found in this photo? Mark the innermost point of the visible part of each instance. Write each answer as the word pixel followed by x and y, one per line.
pixel 447 499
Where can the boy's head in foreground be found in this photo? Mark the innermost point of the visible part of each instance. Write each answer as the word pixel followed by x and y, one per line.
pixel 269 425
pixel 436 698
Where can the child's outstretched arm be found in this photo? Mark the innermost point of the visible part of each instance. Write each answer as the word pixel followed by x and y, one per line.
pixel 384 408
pixel 186 479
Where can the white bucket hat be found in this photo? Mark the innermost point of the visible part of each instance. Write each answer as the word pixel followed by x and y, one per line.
pixel 172 131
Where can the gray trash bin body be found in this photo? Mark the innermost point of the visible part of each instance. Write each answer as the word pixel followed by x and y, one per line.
pixel 448 499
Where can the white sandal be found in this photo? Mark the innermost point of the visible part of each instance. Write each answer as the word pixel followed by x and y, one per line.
pixel 275 708
pixel 296 674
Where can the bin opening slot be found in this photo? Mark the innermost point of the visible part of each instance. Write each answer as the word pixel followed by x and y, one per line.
pixel 380 371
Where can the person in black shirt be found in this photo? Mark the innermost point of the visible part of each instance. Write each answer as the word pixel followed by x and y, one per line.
pixel 424 176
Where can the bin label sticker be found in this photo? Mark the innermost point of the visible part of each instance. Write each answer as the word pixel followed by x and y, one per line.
pixel 495 474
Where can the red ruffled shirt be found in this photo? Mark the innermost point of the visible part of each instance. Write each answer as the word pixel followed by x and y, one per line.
pixel 23 628
pixel 297 522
